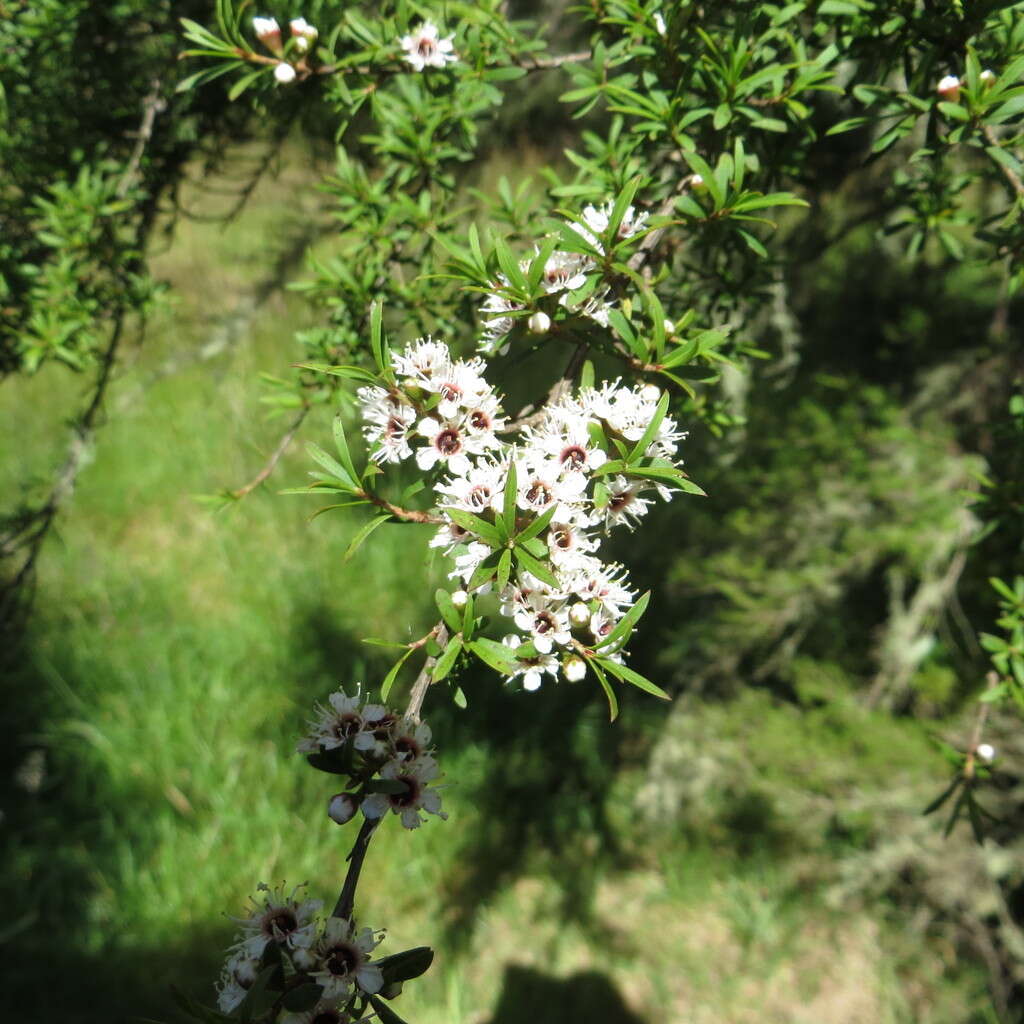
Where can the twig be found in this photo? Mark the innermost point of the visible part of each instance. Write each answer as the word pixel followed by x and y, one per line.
pixel 984 709
pixel 555 61
pixel 423 680
pixel 1015 183
pixel 346 899
pixel 410 515
pixel 268 468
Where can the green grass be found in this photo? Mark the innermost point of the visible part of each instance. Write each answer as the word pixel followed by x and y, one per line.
pixel 684 866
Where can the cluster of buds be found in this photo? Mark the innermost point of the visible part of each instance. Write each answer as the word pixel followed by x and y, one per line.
pixel 303 36
pixel 387 758
pixel 592 461
pixel 328 958
pixel 564 273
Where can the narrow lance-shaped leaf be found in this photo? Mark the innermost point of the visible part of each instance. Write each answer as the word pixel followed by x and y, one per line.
pixel 447 660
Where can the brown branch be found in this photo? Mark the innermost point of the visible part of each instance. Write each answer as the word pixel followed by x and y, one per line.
pixel 410 515
pixel 1014 180
pixel 554 61
pixel 275 457
pixel 423 680
pixel 984 710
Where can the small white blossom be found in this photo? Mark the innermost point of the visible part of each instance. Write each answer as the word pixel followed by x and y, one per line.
pixel 596 221
pixel 416 775
pixel 986 752
pixel 342 721
pixel 276 918
pixel 659 23
pixel 424 48
pixel 343 960
pixel 546 622
pixel 949 88
pixel 460 598
pixel 532 667
pixel 284 73
pixel 237 977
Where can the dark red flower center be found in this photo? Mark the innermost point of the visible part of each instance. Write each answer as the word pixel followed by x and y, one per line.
pixel 538 493
pixel 574 456
pixel 342 959
pixel 448 442
pixel 282 921
pixel 409 796
pixel 479 420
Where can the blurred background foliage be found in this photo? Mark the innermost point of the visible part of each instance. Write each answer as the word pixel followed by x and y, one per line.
pixel 756 852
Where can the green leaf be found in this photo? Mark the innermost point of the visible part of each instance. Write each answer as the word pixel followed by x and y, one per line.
pixel 498 656
pixel 391 787
pixel 384 1012
pixel 459 697
pixel 625 625
pixel 652 430
pixel 629 676
pixel 504 569
pixel 364 531
pixel 302 998
pixel 943 796
pixel 389 679
pixel 508 510
pixel 536 567
pixel 341 443
pixel 377 344
pixel 474 524
pixel 331 465
pixel 448 611
pixel 613 703
pixel 538 526
pixel 447 660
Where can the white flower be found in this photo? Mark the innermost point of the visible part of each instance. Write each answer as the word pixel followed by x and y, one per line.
pixel 659 23
pixel 480 489
pixel 596 223
pixel 389 424
pixel 343 959
pixel 469 561
pixel 574 668
pixel 448 444
pixel 327 1011
pixel 547 623
pixel 592 580
pixel 579 615
pixel 624 502
pixel 237 977
pixel 986 752
pixel 411 739
pixel 422 360
pixel 423 47
pixel 341 808
pixel 460 385
pixel 460 599
pixel 280 919
pixel 416 775
pixel 531 667
pixel 342 721
pixel 497 323
pixel 284 73
pixel 376 734
pixel 565 271
pixel 949 88
pixel 303 33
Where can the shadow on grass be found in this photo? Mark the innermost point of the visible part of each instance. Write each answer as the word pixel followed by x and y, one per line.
pixel 528 995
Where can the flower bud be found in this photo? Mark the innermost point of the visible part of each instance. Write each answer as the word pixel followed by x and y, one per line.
pixel 579 614
pixel 539 323
pixel 670 328
pixel 268 32
pixel 303 33
pixel 246 971
pixel 659 23
pixel 392 990
pixel 284 73
pixel 986 752
pixel 459 598
pixel 574 669
pixel 987 77
pixel 342 808
pixel 949 88
pixel 696 181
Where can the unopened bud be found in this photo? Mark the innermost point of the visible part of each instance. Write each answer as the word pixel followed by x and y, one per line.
pixel 670 328
pixel 539 322
pixel 986 752
pixel 303 33
pixel 459 598
pixel 696 181
pixel 574 669
pixel 392 990
pixel 987 77
pixel 284 73
pixel 949 88
pixel 579 614
pixel 650 393
pixel 659 23
pixel 246 972
pixel 268 32
pixel 342 808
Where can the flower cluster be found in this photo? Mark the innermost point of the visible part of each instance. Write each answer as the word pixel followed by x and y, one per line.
pixel 564 272
pixel 331 952
pixel 303 36
pixel 570 479
pixel 388 759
